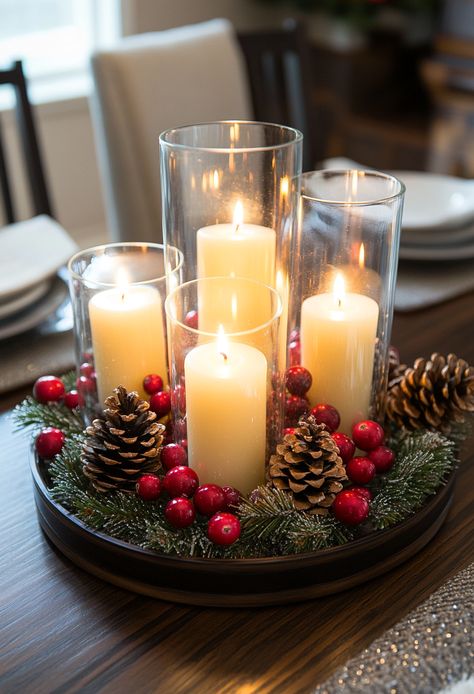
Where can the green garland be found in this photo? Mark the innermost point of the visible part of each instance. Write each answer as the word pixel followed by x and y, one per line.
pixel 271 525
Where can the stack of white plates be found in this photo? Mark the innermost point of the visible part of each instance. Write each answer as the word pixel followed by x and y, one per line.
pixel 438 217
pixel 31 253
pixel 438 214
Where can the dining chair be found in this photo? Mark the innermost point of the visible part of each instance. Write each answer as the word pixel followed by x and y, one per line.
pixel 145 85
pixel 279 69
pixel 35 173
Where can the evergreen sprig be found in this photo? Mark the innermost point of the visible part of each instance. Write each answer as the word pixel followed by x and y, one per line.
pixel 31 413
pixel 272 522
pixel 423 462
pixel 271 525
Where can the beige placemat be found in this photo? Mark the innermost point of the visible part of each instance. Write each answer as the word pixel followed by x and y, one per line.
pixel 25 358
pixel 421 284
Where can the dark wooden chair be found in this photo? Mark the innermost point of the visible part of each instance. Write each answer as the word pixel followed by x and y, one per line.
pixel 280 76
pixel 35 174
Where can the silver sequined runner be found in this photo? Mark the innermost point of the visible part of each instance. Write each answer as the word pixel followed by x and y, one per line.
pixel 429 650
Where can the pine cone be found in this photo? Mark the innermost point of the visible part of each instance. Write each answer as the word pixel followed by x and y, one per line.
pixel 123 445
pixel 308 465
pixel 435 394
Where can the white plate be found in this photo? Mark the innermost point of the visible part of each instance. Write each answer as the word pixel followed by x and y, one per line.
pixel 31 318
pixel 23 299
pixel 461 252
pixel 433 201
pixel 439 237
pixel 31 252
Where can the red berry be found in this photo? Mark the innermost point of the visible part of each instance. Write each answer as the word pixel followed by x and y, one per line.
pixel 49 442
pixel 328 415
pixel 73 399
pixel 152 384
pixel 350 507
pixel 367 435
pixel 298 380
pixel 181 481
pixel 160 403
pixel 86 384
pixel 345 444
pixel 362 491
pixel 232 497
pixel 382 457
pixel 86 369
pixel 209 499
pixel 192 319
pixel 223 529
pixel 296 407
pixel 180 512
pixel 288 431
pixel 48 389
pixel 173 455
pixel 360 470
pixel 148 487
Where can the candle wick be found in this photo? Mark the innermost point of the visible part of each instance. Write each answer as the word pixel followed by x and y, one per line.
pixel 224 355
pixel 236 228
pixel 123 296
pixel 339 303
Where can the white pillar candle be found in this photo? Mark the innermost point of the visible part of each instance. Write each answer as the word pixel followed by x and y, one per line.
pixel 226 414
pixel 127 338
pixel 338 332
pixel 234 250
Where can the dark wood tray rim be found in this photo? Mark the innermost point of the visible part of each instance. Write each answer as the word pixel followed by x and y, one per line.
pixel 371 541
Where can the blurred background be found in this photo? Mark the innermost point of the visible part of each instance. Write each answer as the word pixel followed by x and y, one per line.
pixel 390 84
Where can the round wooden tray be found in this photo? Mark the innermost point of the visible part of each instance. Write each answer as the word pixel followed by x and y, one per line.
pixel 236 582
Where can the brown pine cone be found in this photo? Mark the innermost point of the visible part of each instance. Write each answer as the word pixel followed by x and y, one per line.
pixel 307 465
pixel 122 445
pixel 435 394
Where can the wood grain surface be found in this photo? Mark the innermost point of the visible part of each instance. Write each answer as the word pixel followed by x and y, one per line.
pixel 61 630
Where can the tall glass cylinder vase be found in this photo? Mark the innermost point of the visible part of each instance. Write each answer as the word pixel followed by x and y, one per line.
pixel 344 271
pixel 118 292
pixel 230 193
pixel 226 383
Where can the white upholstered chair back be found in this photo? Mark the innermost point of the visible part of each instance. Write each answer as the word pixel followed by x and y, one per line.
pixel 147 84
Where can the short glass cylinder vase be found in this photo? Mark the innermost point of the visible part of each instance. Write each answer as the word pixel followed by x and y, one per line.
pixel 229 199
pixel 118 292
pixel 226 381
pixel 344 270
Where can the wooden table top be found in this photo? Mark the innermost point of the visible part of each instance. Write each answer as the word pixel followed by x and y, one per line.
pixel 62 630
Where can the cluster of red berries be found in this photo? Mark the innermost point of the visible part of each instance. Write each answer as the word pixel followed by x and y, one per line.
pixel 188 497
pixel 351 506
pixel 298 381
pixel 49 389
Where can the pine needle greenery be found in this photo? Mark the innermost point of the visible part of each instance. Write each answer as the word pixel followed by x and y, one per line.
pixel 271 525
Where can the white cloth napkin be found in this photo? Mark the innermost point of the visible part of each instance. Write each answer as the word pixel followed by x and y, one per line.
pixel 30 252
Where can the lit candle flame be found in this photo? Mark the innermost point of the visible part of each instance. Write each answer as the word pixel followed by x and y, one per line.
pixel 216 179
pixel 361 256
pixel 238 215
pixel 222 345
pixel 339 290
pixel 284 186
